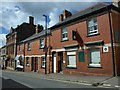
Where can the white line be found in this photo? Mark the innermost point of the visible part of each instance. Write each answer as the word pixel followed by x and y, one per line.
pixel 117 86
pixel 68 81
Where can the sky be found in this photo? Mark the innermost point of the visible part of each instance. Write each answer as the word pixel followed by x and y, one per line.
pixel 15 12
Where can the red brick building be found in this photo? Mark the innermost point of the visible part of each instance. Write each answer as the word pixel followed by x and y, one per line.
pixel 16 35
pixel 85 43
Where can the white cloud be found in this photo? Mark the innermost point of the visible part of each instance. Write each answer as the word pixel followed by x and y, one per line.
pixel 2 40
pixel 13 13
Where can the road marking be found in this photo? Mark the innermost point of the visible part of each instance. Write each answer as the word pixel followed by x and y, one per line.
pixel 4 77
pixel 117 86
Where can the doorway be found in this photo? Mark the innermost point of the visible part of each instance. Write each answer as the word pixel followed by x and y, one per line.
pixel 35 64
pixel 32 63
pixel 60 61
pixel 53 62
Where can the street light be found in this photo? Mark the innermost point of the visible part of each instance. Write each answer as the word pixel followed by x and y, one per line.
pixel 45 47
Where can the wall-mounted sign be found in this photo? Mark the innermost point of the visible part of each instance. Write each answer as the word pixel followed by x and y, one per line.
pixel 105 49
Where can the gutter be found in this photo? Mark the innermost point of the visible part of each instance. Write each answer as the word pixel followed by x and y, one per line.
pixel 111 37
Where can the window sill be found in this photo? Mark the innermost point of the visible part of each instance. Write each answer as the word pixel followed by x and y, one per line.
pixel 94 66
pixel 93 34
pixel 64 40
pixel 71 67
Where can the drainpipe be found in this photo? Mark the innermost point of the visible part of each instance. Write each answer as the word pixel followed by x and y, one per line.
pixel 24 56
pixel 15 50
pixel 112 46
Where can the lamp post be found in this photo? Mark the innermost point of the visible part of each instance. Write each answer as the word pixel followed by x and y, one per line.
pixel 45 47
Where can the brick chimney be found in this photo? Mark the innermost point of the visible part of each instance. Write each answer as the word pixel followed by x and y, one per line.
pixel 61 17
pixel 38 28
pixel 31 20
pixel 66 14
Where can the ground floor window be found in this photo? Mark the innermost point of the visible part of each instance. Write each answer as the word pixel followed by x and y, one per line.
pixel 94 57
pixel 71 59
pixel 27 61
pixel 43 62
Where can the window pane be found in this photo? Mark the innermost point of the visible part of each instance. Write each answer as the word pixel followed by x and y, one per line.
pixel 95 56
pixel 43 62
pixel 41 42
pixel 92 26
pixel 64 33
pixel 72 60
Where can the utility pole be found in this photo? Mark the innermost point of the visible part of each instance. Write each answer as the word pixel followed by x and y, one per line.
pixel 45 47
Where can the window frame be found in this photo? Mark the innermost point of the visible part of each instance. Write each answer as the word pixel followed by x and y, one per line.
pixel 43 61
pixel 27 60
pixel 71 54
pixel 20 46
pixel 94 23
pixel 92 64
pixel 28 46
pixel 64 35
pixel 42 46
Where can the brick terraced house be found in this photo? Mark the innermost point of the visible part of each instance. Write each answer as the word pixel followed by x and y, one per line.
pixel 85 43
pixel 16 35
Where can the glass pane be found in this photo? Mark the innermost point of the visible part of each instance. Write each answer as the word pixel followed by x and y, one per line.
pixel 95 56
pixel 71 60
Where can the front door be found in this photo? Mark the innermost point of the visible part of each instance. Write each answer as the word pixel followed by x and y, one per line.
pixel 32 64
pixel 54 63
pixel 60 61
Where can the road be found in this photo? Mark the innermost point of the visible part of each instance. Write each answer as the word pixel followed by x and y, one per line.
pixel 26 80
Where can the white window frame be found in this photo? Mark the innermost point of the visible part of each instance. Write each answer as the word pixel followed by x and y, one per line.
pixel 71 54
pixel 93 64
pixel 42 43
pixel 43 61
pixel 92 23
pixel 64 33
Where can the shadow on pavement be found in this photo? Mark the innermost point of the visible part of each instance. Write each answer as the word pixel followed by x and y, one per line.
pixel 11 84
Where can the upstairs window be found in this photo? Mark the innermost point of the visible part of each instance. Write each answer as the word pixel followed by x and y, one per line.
pixel 42 43
pixel 92 26
pixel 64 33
pixel 94 57
pixel 28 45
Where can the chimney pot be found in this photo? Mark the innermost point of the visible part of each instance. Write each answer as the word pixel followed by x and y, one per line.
pixel 61 17
pixel 66 14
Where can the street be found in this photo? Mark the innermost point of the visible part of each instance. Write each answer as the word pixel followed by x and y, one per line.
pixel 13 79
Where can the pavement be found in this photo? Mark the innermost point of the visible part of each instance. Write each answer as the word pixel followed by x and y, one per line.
pixel 99 81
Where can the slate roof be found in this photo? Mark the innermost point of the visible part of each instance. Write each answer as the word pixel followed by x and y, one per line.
pixel 82 13
pixel 35 36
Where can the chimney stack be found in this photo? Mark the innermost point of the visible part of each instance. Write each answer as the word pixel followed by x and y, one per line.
pixel 38 29
pixel 31 20
pixel 66 14
pixel 61 17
